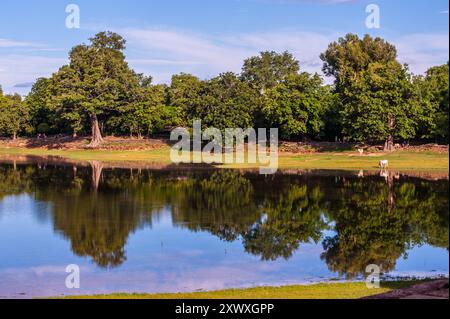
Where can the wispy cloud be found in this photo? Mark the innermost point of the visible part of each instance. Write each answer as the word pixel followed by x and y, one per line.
pixel 207 56
pixel 163 52
pixel 421 51
pixel 17 69
pixel 7 43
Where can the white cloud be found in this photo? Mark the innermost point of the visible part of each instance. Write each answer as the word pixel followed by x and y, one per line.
pixel 21 68
pixel 164 52
pixel 6 43
pixel 421 51
pixel 207 56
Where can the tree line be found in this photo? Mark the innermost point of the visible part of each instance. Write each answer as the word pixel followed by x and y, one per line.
pixel 374 98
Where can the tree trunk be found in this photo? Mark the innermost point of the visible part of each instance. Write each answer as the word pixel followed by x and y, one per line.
pixel 97 138
pixel 389 144
pixel 97 168
pixel 14 136
pixel 74 134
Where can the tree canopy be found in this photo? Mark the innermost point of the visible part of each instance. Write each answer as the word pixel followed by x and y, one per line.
pixel 373 99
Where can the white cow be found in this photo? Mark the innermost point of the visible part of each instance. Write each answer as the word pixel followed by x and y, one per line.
pixel 383 164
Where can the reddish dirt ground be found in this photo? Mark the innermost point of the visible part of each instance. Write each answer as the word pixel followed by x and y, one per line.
pixel 123 143
pixel 437 289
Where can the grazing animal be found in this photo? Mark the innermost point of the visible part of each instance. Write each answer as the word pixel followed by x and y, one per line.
pixel 383 164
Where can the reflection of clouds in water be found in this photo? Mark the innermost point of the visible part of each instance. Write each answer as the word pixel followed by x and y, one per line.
pixel 170 272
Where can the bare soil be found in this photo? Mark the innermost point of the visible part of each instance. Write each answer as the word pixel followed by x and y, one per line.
pixel 69 143
pixel 437 289
pixel 128 144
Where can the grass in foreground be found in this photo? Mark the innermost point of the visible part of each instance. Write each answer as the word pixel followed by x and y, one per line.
pixel 352 290
pixel 399 160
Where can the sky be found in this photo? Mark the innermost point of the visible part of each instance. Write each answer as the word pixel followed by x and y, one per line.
pixel 207 37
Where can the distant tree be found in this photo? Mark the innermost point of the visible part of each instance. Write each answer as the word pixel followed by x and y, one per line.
pixel 40 107
pixel 183 96
pixel 14 115
pixel 297 105
pixel 434 100
pixel 146 112
pixel 268 69
pixel 225 102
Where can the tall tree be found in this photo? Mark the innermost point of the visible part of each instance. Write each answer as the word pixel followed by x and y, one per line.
pixel 96 82
pixel 376 92
pixel 381 106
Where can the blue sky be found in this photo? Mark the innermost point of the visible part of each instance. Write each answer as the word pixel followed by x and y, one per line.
pixel 206 37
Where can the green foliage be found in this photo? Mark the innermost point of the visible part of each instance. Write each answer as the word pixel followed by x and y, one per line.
pixel 269 69
pixel 296 106
pixel 14 115
pixel 380 105
pixel 39 104
pixel 225 102
pixel 96 83
pixel 377 95
pixel 43 128
pixel 184 96
pixel 373 98
pixel 434 100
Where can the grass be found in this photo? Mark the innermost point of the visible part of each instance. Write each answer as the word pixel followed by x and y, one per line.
pixel 348 290
pixel 399 160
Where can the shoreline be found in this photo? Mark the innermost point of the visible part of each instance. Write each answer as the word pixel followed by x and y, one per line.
pixel 159 158
pixel 412 163
pixel 323 290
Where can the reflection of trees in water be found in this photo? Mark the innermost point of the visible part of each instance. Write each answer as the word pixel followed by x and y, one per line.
pixel 374 221
pixel 221 203
pixel 369 230
pixel 292 218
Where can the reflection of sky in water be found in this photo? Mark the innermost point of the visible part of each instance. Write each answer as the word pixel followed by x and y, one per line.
pixel 161 258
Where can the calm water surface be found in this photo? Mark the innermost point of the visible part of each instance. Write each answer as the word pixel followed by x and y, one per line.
pixel 186 230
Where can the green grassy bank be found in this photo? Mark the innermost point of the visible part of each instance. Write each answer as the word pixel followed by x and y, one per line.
pixel 399 160
pixel 352 290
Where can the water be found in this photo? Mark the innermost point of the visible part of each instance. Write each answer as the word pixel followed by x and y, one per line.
pixel 174 230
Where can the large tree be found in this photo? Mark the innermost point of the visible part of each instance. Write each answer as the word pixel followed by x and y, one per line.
pixel 381 106
pixel 95 83
pixel 376 92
